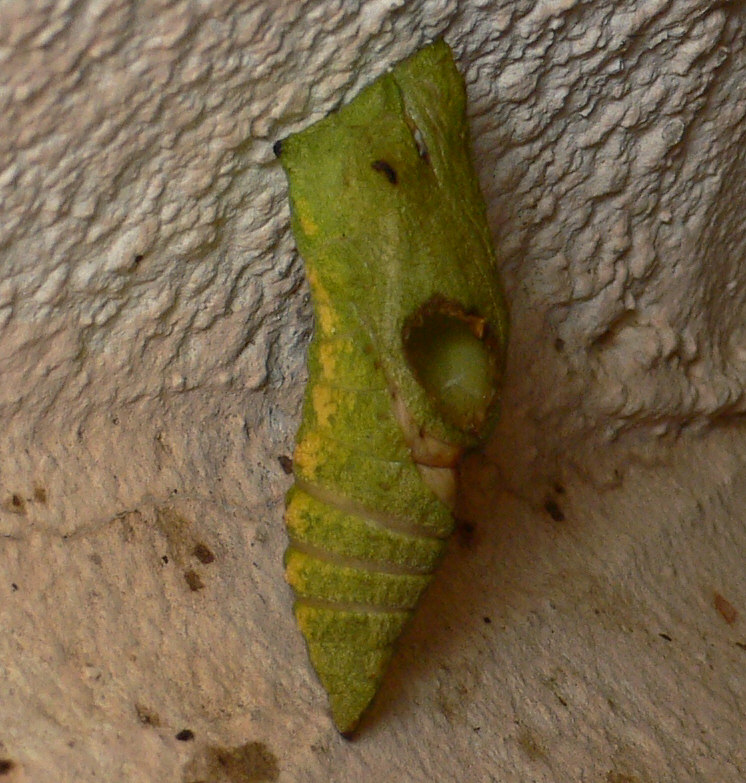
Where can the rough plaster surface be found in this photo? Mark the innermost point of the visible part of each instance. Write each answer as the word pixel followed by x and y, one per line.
pixel 588 623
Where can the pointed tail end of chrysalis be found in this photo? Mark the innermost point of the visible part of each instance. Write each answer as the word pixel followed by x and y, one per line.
pixel 350 652
pixel 351 675
pixel 346 712
pixel 355 684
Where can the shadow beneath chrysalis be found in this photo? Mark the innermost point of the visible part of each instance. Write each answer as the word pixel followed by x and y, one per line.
pixel 458 621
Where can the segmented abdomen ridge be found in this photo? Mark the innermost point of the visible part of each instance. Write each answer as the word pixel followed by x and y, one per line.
pixel 365 531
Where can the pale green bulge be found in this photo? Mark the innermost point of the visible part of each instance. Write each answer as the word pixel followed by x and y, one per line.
pixel 455 368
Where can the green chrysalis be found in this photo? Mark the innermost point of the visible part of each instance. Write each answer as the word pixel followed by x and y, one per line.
pixel 404 365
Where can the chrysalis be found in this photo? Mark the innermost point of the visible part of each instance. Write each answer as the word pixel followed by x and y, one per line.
pixel 404 365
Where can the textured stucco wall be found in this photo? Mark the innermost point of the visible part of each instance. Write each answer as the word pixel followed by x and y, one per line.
pixel 153 318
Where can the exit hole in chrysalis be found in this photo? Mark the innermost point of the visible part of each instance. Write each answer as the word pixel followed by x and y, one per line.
pixel 455 359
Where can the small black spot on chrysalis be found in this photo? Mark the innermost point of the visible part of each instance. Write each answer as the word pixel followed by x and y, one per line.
pixel 164 559
pixel 6 766
pixel 185 735
pixel 665 636
pixel 286 464
pixel 13 586
pixel 137 259
pixel 559 345
pixel 487 620
pixel 555 512
pixel 387 169
pixel 203 553
pixel 194 580
pixel 277 148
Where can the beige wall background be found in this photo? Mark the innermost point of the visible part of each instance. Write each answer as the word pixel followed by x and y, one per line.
pixel 589 622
